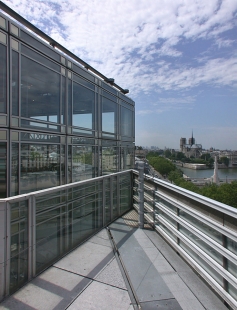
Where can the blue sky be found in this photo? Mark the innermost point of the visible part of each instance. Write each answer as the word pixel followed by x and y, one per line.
pixel 177 58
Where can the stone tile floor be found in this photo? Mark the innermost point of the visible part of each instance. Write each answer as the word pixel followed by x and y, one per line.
pixel 92 277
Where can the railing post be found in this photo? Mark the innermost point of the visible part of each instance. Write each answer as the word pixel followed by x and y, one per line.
pixel 141 193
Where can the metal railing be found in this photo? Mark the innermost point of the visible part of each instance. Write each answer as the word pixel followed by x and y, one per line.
pixel 38 228
pixel 203 231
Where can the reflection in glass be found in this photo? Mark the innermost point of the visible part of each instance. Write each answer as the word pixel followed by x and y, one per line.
pixel 47 242
pixel 3 169
pixel 40 92
pixel 82 162
pixel 83 107
pixel 109 160
pixel 15 83
pixel 14 171
pixel 127 157
pixel 109 116
pixel 126 122
pixel 19 244
pixel 40 166
pixel 3 79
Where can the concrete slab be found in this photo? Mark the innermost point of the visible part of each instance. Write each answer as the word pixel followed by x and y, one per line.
pixel 170 304
pixel 208 298
pixel 103 297
pixel 101 238
pixel 112 275
pixel 54 288
pixel 32 297
pixel 145 279
pixel 87 260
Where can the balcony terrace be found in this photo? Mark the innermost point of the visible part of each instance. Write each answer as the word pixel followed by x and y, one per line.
pixel 63 257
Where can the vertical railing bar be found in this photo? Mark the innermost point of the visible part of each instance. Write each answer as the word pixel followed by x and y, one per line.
pixel 141 194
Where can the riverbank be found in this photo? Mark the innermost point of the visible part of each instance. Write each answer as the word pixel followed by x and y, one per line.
pixel 226 174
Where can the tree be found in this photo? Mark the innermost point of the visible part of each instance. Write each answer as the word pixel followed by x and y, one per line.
pixel 167 153
pixel 225 160
pixel 162 165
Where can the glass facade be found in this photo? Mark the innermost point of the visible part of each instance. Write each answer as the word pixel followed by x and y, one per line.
pixel 59 123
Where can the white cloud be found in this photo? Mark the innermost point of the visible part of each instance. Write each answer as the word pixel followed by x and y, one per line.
pixel 126 39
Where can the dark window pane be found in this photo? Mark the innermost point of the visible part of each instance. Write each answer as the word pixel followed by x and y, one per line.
pixel 40 92
pixel 126 122
pixel 109 88
pixel 83 82
pixel 82 162
pixel 3 78
pixel 14 171
pixel 15 83
pixel 40 166
pixel 83 73
pixel 69 103
pixel 109 115
pixel 29 52
pixel 83 106
pixel 40 46
pixel 3 170
pixel 64 102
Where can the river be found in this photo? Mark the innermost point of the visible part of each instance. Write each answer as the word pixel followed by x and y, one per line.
pixel 228 173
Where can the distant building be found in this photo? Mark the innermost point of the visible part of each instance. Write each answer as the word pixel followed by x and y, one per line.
pixel 190 149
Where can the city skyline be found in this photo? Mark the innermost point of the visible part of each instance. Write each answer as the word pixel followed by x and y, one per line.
pixel 178 60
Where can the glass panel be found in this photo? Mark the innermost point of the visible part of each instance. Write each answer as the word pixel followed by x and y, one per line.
pixel 83 82
pixel 19 244
pixel 201 244
pixel 18 271
pixel 109 160
pixel 232 268
pixel 3 79
pixel 168 219
pixel 15 83
pixel 232 245
pixel 115 199
pixel 109 115
pixel 232 291
pixel 127 157
pixel 40 46
pixel 126 122
pixel 64 101
pixel 202 226
pixel 40 92
pixel 125 193
pixel 84 221
pixel 215 275
pixel 168 232
pixel 47 243
pixel 41 59
pixel 3 170
pixel 83 73
pixel 109 88
pixel 14 171
pixel 167 205
pixel 40 167
pixel 82 162
pixel 83 107
pixel 69 102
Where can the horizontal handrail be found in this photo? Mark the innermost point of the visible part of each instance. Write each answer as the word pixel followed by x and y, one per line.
pixel 202 230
